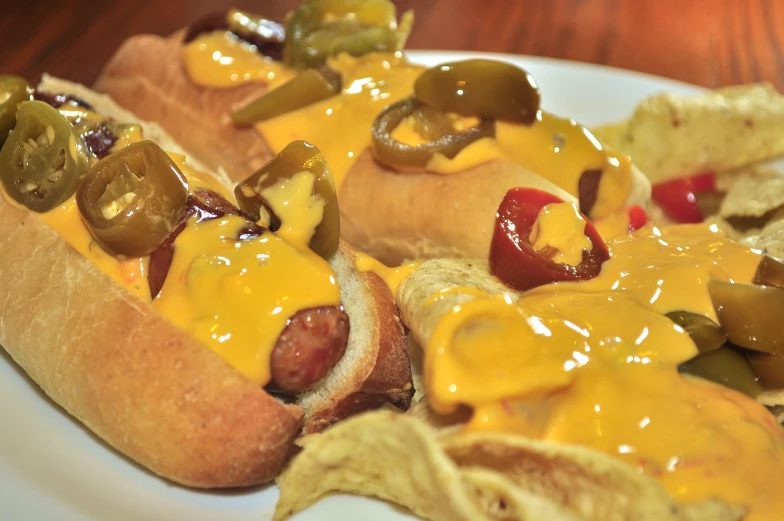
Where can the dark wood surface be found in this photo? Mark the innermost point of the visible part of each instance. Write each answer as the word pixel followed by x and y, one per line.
pixel 707 42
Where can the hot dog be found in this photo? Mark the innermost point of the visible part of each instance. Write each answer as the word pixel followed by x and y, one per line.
pixel 313 340
pixel 441 206
pixel 312 343
pixel 202 374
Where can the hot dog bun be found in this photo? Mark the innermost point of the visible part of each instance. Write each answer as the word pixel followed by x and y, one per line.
pixel 428 215
pixel 433 215
pixel 151 390
pixel 419 215
pixel 136 380
pixel 147 76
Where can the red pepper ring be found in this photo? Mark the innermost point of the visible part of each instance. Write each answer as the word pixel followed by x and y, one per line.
pixel 677 197
pixel 638 218
pixel 513 258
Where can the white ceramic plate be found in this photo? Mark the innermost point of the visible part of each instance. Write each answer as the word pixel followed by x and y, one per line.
pixel 52 468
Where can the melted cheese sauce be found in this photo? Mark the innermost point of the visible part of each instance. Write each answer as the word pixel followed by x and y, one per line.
pixel 67 221
pixel 407 132
pixel 340 125
pixel 234 296
pixel 299 210
pixel 668 269
pixel 392 277
pixel 126 135
pixel 237 296
pixel 561 227
pixel 614 226
pixel 555 148
pixel 478 152
pixel 595 363
pixel 222 59
pixel 559 150
pixel 128 273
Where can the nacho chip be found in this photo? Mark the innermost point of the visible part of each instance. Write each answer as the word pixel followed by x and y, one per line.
pixel 771 240
pixel 398 458
pixel 755 193
pixel 724 226
pixel 443 422
pixel 726 180
pixel 597 486
pixel 778 410
pixel 476 477
pixel 671 135
pixel 773 398
pixel 504 501
pixel 452 282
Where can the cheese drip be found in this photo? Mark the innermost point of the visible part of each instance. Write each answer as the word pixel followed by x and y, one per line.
pixel 223 59
pixel 299 209
pixel 128 273
pixel 557 149
pixel 561 227
pixel 595 363
pixel 392 277
pixel 234 296
pixel 340 126
pixel 237 296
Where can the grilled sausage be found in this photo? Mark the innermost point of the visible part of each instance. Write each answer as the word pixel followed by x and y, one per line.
pixel 310 346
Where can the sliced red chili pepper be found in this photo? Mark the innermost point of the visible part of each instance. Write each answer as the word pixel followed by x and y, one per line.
pixel 513 258
pixel 637 218
pixel 677 197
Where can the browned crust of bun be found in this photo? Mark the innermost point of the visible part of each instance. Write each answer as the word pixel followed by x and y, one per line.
pixel 390 380
pixel 147 75
pixel 140 383
pixel 378 374
pixel 426 215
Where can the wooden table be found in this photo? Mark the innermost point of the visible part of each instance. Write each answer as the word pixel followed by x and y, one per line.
pixel 707 42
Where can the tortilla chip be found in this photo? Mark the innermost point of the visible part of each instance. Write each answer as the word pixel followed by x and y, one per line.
pixel 671 135
pixel 503 500
pixel 771 240
pixel 724 226
pixel 398 458
pixel 773 398
pixel 712 510
pixel 597 486
pixel 754 193
pixel 443 422
pixel 726 180
pixel 745 236
pixel 778 410
pixel 475 477
pixel 453 281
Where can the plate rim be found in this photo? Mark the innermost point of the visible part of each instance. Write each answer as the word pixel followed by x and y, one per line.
pixel 560 62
